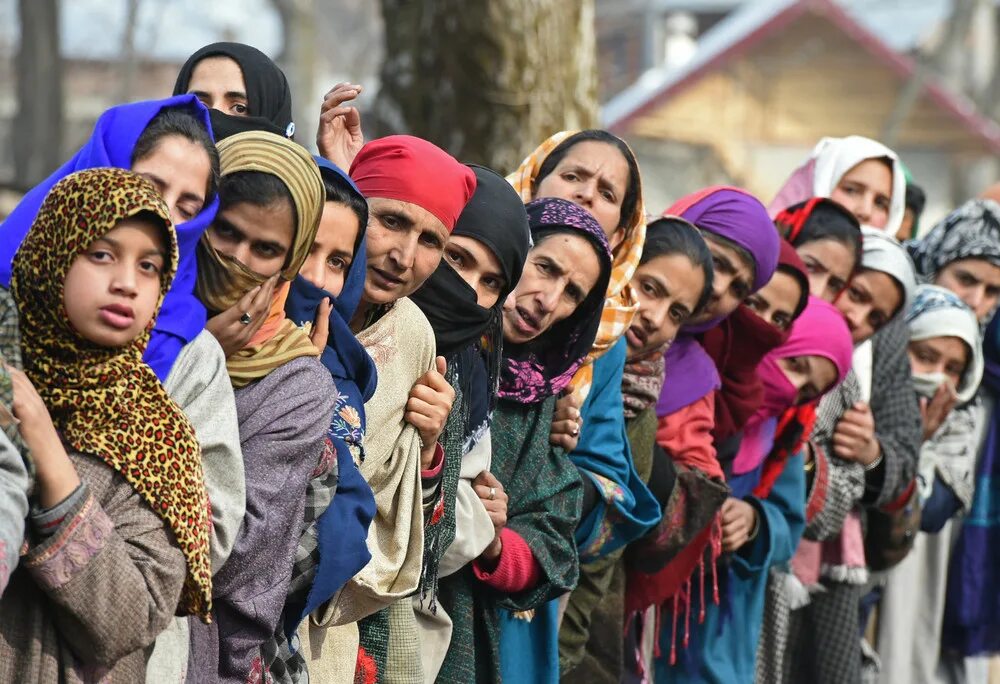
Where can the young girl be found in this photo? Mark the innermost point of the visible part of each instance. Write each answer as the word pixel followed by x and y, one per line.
pixel 121 507
pixel 863 175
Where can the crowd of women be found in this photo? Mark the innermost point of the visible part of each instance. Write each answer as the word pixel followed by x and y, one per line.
pixel 381 416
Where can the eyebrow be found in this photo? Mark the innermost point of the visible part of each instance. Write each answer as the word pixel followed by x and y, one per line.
pixel 155 251
pixel 276 246
pixel 231 94
pixel 725 265
pixel 405 219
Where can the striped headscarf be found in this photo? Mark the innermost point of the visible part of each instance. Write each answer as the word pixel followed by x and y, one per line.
pixel 222 280
pixel 106 402
pixel 620 304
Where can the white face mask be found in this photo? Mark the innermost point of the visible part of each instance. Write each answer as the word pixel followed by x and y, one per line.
pixel 926 384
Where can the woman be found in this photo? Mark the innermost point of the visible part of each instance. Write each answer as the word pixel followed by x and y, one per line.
pixel 861 174
pixel 672 283
pixel 762 530
pixel 120 537
pixel 944 350
pixel 463 300
pixel 240 85
pixel 549 323
pixel 339 505
pixel 271 200
pixel 962 254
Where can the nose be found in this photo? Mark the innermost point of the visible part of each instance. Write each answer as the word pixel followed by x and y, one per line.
pixel 124 281
pixel 655 317
pixel 405 253
pixel 856 316
pixel 974 297
pixel 863 209
pixel 312 270
pixel 720 286
pixel 584 193
pixel 546 298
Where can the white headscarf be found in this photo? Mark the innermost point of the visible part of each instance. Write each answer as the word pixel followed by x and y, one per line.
pixel 881 252
pixel 829 161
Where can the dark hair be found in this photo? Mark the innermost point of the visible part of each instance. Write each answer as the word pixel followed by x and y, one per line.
pixel 631 198
pixel 671 235
pixel 184 124
pixel 257 188
pixel 338 190
pixel 915 200
pixel 828 220
pixel 742 252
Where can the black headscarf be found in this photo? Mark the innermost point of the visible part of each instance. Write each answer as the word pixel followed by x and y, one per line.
pixel 269 100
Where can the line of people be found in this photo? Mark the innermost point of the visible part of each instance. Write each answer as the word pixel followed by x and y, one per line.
pixel 381 416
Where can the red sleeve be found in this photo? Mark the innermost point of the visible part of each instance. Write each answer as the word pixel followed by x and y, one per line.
pixel 686 435
pixel 516 571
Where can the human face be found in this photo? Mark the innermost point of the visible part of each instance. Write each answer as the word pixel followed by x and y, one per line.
pixel 594 175
pixel 948 355
pixel 405 243
pixel 180 170
pixel 731 281
pixel 866 191
pixel 829 264
pixel 776 302
pixel 810 375
pixel 478 266
pixel 218 83
pixel 111 289
pixel 870 301
pixel 975 281
pixel 332 251
pixel 560 272
pixel 258 237
pixel 667 288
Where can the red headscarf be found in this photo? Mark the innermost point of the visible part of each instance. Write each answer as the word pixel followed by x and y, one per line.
pixel 409 169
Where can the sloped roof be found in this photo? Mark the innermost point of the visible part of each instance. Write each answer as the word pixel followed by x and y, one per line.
pixel 750 27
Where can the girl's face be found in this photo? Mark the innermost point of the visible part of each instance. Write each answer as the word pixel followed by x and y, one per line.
pixel 668 288
pixel 180 170
pixel 975 281
pixel 558 276
pixel 478 266
pixel 332 251
pixel 829 264
pixel 776 302
pixel 258 237
pixel 218 83
pixel 866 191
pixel 871 300
pixel 112 288
pixel 810 375
pixel 731 281
pixel 948 355
pixel 594 175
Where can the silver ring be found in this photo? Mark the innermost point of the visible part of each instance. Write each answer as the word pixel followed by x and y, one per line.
pixel 493 493
pixel 246 318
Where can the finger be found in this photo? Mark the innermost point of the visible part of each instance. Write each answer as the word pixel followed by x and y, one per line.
pixel 329 116
pixel 488 479
pixel 428 389
pixel 244 304
pixel 431 410
pixel 853 431
pixel 442 365
pixel 482 477
pixel 321 327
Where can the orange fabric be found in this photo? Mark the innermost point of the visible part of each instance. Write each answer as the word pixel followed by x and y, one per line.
pixel 275 316
pixel 687 436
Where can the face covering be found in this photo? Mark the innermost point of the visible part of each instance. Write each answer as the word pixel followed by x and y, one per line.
pixel 926 384
pixel 779 392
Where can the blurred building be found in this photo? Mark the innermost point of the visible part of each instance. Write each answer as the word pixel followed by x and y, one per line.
pixel 771 77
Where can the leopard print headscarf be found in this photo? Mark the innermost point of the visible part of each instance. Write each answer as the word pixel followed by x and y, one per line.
pixel 104 401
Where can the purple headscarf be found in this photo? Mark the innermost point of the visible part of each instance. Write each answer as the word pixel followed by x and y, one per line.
pixel 739 217
pixel 538 369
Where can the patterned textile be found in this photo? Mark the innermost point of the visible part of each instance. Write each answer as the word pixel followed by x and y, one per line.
pixel 105 401
pixel 970 232
pixel 824 645
pixel 620 305
pixel 642 383
pixel 223 280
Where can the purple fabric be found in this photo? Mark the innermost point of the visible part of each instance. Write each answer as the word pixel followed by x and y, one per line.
pixel 544 366
pixel 972 608
pixel 690 375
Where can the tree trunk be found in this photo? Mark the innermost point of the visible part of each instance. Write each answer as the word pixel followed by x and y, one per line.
pixel 38 125
pixel 298 61
pixel 487 79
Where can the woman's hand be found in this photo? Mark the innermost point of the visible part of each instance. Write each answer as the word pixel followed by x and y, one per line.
pixel 339 137
pixel 854 437
pixel 228 327
pixel 566 423
pixel 321 326
pixel 738 522
pixel 56 476
pixel 428 407
pixel 935 411
pixel 494 498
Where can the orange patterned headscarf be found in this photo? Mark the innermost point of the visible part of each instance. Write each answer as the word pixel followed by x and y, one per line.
pixel 620 305
pixel 106 402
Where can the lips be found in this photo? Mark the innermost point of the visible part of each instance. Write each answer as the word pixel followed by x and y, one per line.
pixel 385 279
pixel 525 322
pixel 636 336
pixel 118 316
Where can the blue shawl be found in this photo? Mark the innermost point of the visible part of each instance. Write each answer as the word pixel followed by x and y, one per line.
pixel 342 529
pixel 116 132
pixel 972 607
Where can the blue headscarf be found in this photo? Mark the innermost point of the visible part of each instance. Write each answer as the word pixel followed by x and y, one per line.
pixel 118 129
pixel 342 529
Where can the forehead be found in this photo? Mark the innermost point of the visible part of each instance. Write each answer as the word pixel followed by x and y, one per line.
pixel 218 71
pixel 981 268
pixel 948 346
pixel 421 219
pixel 717 248
pixel 872 172
pixel 683 278
pixel 783 289
pixel 832 253
pixel 885 292
pixel 480 250
pixel 273 223
pixel 595 154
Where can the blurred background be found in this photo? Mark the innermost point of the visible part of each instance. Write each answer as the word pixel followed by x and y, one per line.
pixel 706 91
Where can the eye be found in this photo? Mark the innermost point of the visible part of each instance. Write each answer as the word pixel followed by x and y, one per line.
pixel 101 256
pixel 570 176
pixel 431 240
pixel 966 279
pixel 543 266
pixel 677 315
pixel 755 303
pixel 150 267
pixel 850 189
pixel 455 257
pixel 782 321
pixel 608 195
pixel 883 203
pixel 836 285
pixel 855 294
pixel 647 288
pixel 812 267
pixel 266 251
pixel 740 289
pixel 389 221
pixel 240 108
pixel 993 291
pixel 877 319
pixel 224 231
pixel 337 263
pixel 491 283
